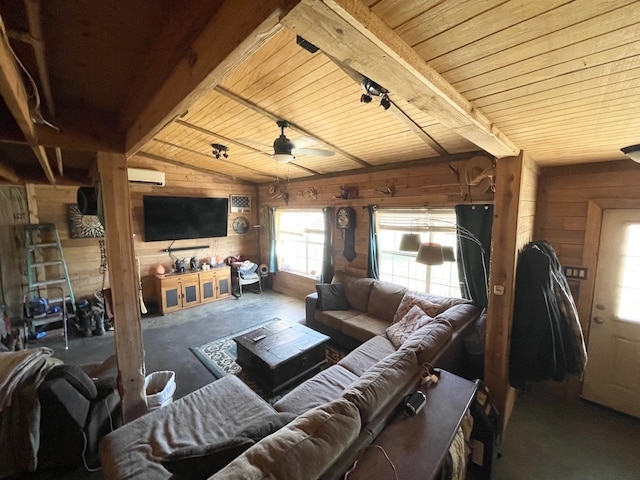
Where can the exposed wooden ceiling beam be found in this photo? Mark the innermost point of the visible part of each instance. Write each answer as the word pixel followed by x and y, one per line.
pixel 8 173
pixel 59 162
pixel 152 156
pixel 235 32
pixel 293 126
pixel 222 137
pixel 239 144
pixel 395 110
pixel 15 96
pixel 348 31
pixel 34 18
pixel 70 137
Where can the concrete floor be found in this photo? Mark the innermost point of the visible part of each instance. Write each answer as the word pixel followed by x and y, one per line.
pixel 547 437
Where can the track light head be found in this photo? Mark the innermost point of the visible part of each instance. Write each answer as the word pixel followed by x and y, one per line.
pixel 385 102
pixel 365 98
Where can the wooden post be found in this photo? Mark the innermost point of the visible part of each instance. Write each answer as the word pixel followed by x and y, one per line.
pixel 116 205
pixel 514 215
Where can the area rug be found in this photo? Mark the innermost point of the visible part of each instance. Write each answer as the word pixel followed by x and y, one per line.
pixel 219 356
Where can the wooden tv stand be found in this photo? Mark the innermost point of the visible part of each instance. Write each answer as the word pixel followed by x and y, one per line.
pixel 181 290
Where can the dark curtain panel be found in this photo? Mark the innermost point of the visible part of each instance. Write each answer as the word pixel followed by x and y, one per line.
pixel 273 260
pixel 473 265
pixel 327 251
pixel 373 269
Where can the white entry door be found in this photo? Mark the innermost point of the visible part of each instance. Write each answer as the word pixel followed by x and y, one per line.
pixel 612 376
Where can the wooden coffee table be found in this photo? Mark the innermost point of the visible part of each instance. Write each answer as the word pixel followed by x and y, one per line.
pixel 280 353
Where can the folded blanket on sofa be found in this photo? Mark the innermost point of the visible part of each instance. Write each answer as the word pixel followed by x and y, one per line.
pixel 21 373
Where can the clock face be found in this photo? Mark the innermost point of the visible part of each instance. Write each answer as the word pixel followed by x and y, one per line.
pixel 240 225
pixel 343 218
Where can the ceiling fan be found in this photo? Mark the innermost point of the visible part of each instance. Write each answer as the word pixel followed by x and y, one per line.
pixel 285 150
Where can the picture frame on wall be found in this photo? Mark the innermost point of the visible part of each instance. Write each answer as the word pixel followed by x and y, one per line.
pixel 83 226
pixel 239 203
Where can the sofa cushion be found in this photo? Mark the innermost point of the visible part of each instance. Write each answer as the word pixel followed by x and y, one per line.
pixel 384 299
pixel 357 290
pixel 380 384
pixel 427 341
pixel 331 296
pixel 367 354
pixel 335 318
pixel 266 425
pixel 459 315
pixel 409 300
pixel 323 387
pixel 400 331
pixel 364 326
pixel 201 461
pixel 136 449
pixel 305 448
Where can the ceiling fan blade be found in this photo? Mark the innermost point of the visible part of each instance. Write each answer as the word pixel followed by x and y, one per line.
pixel 313 151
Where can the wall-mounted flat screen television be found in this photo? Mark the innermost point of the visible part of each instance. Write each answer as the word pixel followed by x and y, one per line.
pixel 177 218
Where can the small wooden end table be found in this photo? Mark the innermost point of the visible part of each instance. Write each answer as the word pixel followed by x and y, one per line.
pixel 279 353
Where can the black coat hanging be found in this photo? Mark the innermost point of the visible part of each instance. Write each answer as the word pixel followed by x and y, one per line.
pixel 546 336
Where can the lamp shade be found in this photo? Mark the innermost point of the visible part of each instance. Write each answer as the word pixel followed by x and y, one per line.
pixel 409 242
pixel 447 254
pixel 430 254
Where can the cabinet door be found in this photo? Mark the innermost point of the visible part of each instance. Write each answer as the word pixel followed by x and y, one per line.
pixel 223 284
pixel 190 292
pixel 170 294
pixel 207 287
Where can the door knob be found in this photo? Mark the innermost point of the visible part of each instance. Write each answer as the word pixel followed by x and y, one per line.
pixel 598 320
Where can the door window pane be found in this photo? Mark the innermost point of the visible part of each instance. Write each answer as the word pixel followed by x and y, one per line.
pixel 629 301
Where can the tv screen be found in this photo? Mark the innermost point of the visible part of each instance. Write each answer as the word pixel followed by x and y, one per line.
pixel 177 218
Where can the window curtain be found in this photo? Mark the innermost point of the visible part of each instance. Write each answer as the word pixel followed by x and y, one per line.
pixel 373 270
pixel 473 264
pixel 273 259
pixel 327 250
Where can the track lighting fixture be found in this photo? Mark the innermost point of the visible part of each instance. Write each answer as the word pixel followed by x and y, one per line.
pixel 219 150
pixel 372 88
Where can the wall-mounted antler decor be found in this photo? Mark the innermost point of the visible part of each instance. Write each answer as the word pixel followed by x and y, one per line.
pixel 475 176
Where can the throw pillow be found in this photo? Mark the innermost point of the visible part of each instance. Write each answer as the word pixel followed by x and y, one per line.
pixel 202 461
pixel 331 297
pixel 409 300
pixel 265 426
pixel 398 332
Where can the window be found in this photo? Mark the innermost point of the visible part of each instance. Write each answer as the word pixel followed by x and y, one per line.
pixel 433 225
pixel 301 241
pixel 629 302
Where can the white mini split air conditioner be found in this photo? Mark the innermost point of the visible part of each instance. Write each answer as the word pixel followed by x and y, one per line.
pixel 140 175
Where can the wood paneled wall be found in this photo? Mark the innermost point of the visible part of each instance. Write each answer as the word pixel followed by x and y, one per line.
pixel 182 181
pixel 568 215
pixel 419 185
pixel 83 255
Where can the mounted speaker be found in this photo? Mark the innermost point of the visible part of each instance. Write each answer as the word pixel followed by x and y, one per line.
pixel 87 199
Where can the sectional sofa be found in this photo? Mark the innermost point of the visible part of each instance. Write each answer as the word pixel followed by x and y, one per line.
pixel 315 431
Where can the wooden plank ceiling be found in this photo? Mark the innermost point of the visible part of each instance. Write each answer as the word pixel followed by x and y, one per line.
pixel 556 78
